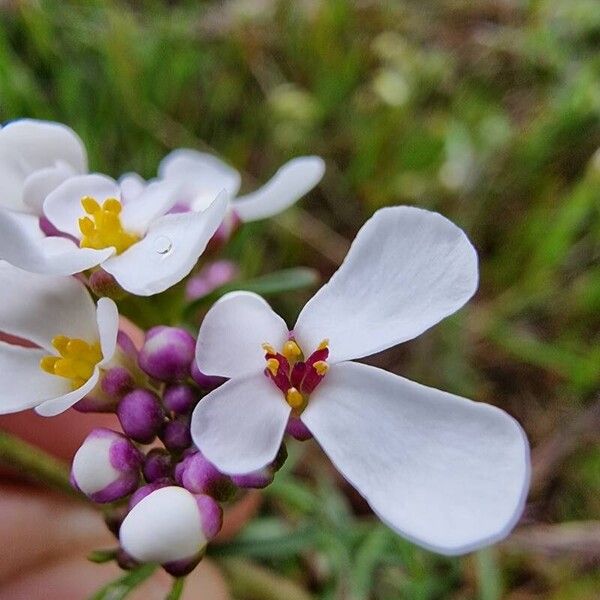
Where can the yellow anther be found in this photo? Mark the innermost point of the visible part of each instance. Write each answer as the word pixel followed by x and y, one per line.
pixel 273 366
pixel 324 344
pixel 294 398
pixel 268 348
pixel 321 367
pixel 291 351
pixel 76 361
pixel 102 228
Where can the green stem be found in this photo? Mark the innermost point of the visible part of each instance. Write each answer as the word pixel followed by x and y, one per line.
pixel 33 463
pixel 252 582
pixel 177 589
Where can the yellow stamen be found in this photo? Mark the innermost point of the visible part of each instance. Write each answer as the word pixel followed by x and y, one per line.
pixel 324 344
pixel 291 351
pixel 268 348
pixel 76 361
pixel 273 366
pixel 294 398
pixel 321 367
pixel 103 227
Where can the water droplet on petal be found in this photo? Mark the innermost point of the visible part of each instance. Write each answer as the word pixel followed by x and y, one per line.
pixel 163 245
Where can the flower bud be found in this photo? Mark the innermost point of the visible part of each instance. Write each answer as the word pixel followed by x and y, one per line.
pixel 141 415
pixel 157 465
pixel 116 382
pixel 146 490
pixel 180 398
pixel 167 354
pixel 257 479
pixel 171 527
pixel 106 466
pixel 176 434
pixel 298 430
pixel 104 284
pixel 206 382
pixel 200 476
pixel 210 277
pixel 96 402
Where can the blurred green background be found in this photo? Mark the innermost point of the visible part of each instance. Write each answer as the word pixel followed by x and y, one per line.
pixel 487 111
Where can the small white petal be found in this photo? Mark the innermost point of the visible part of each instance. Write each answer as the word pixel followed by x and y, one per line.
pixel 154 201
pixel 107 318
pixel 204 174
pixel 447 473
pixel 57 405
pixel 164 527
pixel 92 468
pixel 294 179
pixel 239 426
pixel 232 333
pixel 23 244
pixel 24 384
pixel 63 206
pixel 407 270
pixel 43 181
pixel 168 252
pixel 132 185
pixel 39 307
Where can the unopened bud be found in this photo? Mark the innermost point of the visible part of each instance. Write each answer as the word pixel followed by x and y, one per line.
pixel 167 354
pixel 141 415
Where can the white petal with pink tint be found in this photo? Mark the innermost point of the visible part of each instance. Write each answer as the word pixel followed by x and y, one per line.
pixel 447 473
pixel 232 333
pixel 239 426
pixel 407 270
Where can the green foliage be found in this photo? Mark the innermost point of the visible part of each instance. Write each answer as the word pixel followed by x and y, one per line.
pixel 488 112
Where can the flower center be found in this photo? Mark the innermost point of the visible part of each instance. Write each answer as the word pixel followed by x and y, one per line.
pixel 294 375
pixel 76 359
pixel 102 228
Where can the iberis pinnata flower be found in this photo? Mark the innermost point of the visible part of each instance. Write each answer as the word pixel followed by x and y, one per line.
pixel 36 157
pixel 202 176
pixel 133 238
pixel 445 472
pixel 69 341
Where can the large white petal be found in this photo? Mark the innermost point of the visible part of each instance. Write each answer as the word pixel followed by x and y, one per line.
pixel 407 269
pixel 43 181
pixel 63 206
pixel 107 319
pixel 154 201
pixel 294 179
pixel 239 426
pixel 168 252
pixel 206 174
pixel 445 472
pixel 57 405
pixel 43 143
pixel 23 244
pixel 24 384
pixel 39 307
pixel 13 174
pixel 232 333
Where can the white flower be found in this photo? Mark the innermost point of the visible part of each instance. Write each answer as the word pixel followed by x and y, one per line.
pixel 73 340
pixel 35 157
pixel 203 175
pixel 130 235
pixel 447 473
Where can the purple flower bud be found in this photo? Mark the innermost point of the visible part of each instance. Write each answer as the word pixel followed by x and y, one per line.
pixel 157 465
pixel 104 284
pixel 298 430
pixel 200 476
pixel 126 345
pixel 146 490
pixel 141 415
pixel 170 526
pixel 206 382
pixel 180 398
pixel 106 466
pixel 168 353
pixel 125 561
pixel 176 434
pixel 257 479
pixel 116 382
pixel 96 402
pixel 210 277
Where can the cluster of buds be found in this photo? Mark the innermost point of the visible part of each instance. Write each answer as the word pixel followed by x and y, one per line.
pixel 165 498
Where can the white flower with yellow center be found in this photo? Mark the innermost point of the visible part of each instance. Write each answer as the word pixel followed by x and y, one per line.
pixel 69 341
pixel 131 236
pixel 447 473
pixel 36 157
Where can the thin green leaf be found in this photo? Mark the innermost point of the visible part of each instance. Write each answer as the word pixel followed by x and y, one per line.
pixel 122 587
pixel 102 556
pixel 177 589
